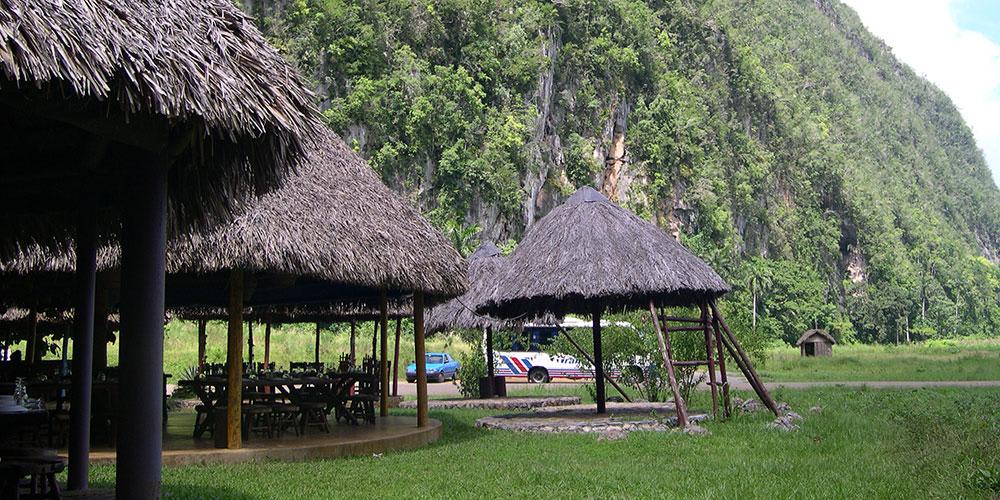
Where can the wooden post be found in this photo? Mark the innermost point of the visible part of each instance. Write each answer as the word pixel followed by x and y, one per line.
pixel 101 322
pixel 726 408
pixel 375 339
pixel 267 343
pixel 234 363
pixel 83 345
pixel 710 357
pixel 383 305
pixel 316 350
pixel 491 389
pixel 250 344
pixel 202 340
pixel 572 341
pixel 33 340
pixel 599 363
pixel 354 335
pixel 395 360
pixel 421 358
pixel 143 260
pixel 663 337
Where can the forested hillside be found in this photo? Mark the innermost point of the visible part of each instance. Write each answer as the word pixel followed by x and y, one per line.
pixel 778 139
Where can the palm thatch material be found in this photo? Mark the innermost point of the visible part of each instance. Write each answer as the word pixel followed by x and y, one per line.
pixel 192 79
pixel 333 221
pixel 591 255
pixel 314 313
pixel 484 268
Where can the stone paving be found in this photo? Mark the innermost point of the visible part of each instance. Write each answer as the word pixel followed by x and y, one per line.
pixel 624 417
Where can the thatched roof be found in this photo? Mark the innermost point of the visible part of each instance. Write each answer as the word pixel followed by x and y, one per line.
pixel 814 332
pixel 484 268
pixel 591 254
pixel 15 323
pixel 190 79
pixel 333 221
pixel 333 233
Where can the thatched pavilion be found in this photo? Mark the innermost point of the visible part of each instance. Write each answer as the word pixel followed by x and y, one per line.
pixel 484 268
pixel 589 256
pixel 106 104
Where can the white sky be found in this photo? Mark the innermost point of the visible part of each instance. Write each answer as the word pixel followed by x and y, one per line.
pixel 927 36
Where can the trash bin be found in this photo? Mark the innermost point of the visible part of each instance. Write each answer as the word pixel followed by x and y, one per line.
pixel 499 387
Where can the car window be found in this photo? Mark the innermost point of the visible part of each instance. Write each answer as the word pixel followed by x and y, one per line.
pixel 435 358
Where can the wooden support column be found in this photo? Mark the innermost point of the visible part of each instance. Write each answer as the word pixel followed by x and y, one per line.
pixel 663 338
pixel 395 359
pixel 421 358
pixel 599 363
pixel 33 351
pixel 316 350
pixel 491 389
pixel 202 341
pixel 83 345
pixel 726 408
pixel 101 322
pixel 267 343
pixel 375 339
pixel 143 259
pixel 743 362
pixel 234 363
pixel 354 336
pixel 710 357
pixel 383 403
pixel 250 344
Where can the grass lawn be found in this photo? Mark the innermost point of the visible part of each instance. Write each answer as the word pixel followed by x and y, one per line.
pixel 864 443
pixel 961 359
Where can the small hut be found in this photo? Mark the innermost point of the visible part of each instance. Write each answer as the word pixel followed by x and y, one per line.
pixel 816 342
pixel 589 256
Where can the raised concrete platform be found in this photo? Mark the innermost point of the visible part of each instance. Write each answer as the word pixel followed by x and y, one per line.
pixel 497 403
pixel 387 434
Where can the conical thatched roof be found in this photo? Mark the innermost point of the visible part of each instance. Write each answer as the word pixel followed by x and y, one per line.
pixel 333 233
pixel 484 268
pixel 192 80
pixel 333 221
pixel 591 254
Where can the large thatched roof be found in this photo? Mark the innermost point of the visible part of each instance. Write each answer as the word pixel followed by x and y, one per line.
pixel 484 268
pixel 332 233
pixel 333 221
pixel 317 313
pixel 192 80
pixel 592 254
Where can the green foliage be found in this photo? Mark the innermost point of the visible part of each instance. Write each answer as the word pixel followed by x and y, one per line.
pixel 828 183
pixel 473 367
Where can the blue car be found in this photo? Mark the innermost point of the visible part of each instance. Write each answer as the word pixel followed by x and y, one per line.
pixel 440 367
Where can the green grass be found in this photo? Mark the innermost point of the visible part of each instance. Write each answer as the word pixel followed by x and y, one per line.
pixel 961 359
pixel 864 443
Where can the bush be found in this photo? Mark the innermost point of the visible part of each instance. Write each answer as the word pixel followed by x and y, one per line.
pixel 473 367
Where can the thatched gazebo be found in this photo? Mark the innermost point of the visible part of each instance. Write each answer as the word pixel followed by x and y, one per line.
pixel 589 256
pixel 105 104
pixel 484 268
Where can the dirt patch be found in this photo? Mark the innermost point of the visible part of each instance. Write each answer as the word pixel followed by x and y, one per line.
pixel 624 417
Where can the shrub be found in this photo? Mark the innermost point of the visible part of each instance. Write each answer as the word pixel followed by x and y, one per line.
pixel 473 367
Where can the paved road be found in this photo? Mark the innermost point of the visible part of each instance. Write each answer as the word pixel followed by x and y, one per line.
pixel 451 389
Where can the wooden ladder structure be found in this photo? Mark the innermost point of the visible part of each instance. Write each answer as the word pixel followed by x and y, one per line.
pixel 717 336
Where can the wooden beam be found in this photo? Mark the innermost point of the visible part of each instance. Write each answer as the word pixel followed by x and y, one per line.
pixel 599 363
pixel 354 336
pixel 711 361
pixel 234 363
pixel 250 344
pixel 383 305
pixel 420 354
pixel 395 360
pixel 726 408
pixel 267 343
pixel 316 350
pixel 491 389
pixel 743 361
pixel 202 341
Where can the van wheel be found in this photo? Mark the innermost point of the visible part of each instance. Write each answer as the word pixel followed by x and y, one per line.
pixel 538 375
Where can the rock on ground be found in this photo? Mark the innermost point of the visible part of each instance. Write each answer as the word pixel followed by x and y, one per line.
pixel 612 435
pixel 783 424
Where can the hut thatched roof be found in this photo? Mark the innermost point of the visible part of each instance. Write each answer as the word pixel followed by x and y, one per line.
pixel 484 268
pixel 333 221
pixel 591 254
pixel 809 333
pixel 190 79
pixel 315 313
pixel 333 224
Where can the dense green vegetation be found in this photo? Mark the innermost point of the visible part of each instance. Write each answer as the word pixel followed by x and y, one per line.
pixel 826 181
pixel 864 443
